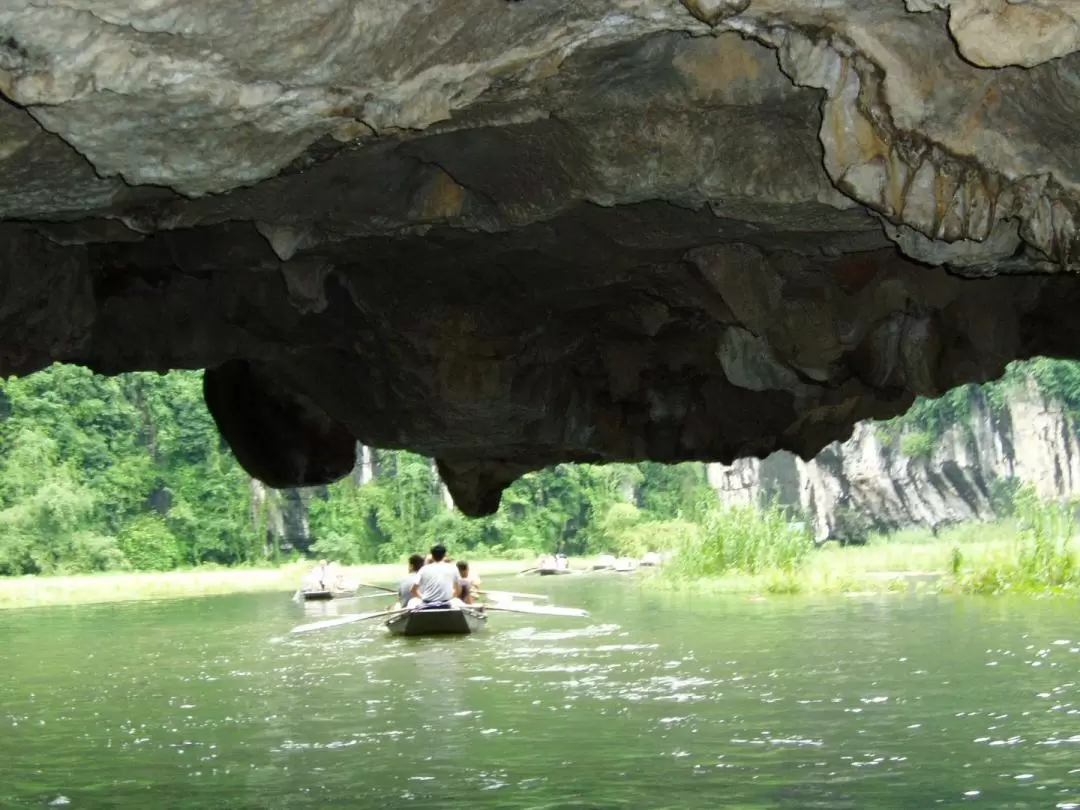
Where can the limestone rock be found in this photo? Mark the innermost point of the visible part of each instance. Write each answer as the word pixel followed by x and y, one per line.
pixel 511 234
pixel 866 483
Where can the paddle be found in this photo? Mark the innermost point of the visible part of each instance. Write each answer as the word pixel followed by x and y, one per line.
pixel 514 595
pixel 376 587
pixel 529 570
pixel 548 610
pixel 356 617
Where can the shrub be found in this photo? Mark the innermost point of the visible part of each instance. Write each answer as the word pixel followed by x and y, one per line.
pixel 918 445
pixel 149 545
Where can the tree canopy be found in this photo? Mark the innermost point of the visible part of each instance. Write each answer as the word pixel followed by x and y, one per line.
pixel 129 472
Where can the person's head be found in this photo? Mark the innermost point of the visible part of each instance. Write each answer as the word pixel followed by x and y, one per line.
pixel 416 562
pixel 322 563
pixel 438 552
pixel 463 568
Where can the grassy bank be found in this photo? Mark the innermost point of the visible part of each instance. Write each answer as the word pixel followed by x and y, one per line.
pixel 753 552
pixel 31 591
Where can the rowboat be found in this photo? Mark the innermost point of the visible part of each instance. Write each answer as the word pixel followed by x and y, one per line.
pixel 441 619
pixel 436 622
pixel 605 562
pixel 323 595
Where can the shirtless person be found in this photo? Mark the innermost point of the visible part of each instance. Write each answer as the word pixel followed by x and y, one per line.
pixel 438 582
pixel 469 588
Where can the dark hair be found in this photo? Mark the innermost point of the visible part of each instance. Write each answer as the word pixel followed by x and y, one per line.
pixel 462 566
pixel 438 551
pixel 416 562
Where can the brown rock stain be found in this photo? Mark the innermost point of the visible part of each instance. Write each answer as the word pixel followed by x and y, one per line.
pixel 711 66
pixel 441 197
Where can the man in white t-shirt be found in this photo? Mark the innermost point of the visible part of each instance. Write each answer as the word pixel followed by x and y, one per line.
pixel 438 582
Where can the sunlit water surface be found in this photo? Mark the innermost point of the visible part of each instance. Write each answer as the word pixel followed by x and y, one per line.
pixel 655 701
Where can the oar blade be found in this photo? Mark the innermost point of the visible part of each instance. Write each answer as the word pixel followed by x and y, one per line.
pixel 356 617
pixel 507 595
pixel 542 610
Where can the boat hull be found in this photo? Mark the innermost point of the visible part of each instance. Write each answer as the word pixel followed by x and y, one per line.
pixel 553 572
pixel 441 622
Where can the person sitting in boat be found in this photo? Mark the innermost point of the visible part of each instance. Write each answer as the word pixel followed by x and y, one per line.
pixel 319 578
pixel 438 582
pixel 404 590
pixel 561 561
pixel 547 563
pixel 474 580
pixel 469 587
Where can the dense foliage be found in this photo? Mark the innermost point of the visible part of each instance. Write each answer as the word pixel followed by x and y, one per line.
pixel 917 431
pixel 129 472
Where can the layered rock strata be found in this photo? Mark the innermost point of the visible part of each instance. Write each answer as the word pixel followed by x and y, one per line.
pixel 869 482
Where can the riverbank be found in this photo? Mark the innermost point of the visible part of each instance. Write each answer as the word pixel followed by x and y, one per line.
pixel 37 591
pixel 983 559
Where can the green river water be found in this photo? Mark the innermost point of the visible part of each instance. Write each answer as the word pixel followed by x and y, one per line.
pixel 655 701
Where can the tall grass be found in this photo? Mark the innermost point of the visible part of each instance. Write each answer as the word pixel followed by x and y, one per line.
pixel 741 540
pixel 1040 558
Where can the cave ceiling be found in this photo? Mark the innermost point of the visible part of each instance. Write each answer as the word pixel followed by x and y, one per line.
pixel 509 234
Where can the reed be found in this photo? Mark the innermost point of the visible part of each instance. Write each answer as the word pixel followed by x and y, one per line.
pixel 740 540
pixel 1040 559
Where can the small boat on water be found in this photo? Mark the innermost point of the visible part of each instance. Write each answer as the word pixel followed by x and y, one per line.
pixel 605 562
pixel 436 621
pixel 323 595
pixel 553 566
pixel 441 619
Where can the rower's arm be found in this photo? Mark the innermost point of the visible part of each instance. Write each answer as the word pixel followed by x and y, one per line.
pixel 415 590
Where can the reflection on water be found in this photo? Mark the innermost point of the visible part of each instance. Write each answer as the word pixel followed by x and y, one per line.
pixel 654 702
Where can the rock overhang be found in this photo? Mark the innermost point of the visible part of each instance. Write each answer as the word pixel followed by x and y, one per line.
pixel 511 234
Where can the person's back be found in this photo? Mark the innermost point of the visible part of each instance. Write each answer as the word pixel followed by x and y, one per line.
pixel 466 584
pixel 438 581
pixel 416 563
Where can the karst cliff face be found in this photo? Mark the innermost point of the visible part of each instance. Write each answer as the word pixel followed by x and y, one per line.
pixel 506 234
pixel 868 483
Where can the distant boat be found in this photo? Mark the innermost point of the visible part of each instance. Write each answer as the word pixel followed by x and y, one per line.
pixel 436 622
pixel 651 559
pixel 604 562
pixel 323 595
pixel 624 565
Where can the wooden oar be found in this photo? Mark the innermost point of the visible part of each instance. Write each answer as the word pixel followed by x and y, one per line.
pixel 541 610
pixel 356 617
pixel 514 595
pixel 376 587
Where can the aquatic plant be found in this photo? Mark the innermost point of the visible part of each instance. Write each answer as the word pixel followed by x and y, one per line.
pixel 741 539
pixel 1041 557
